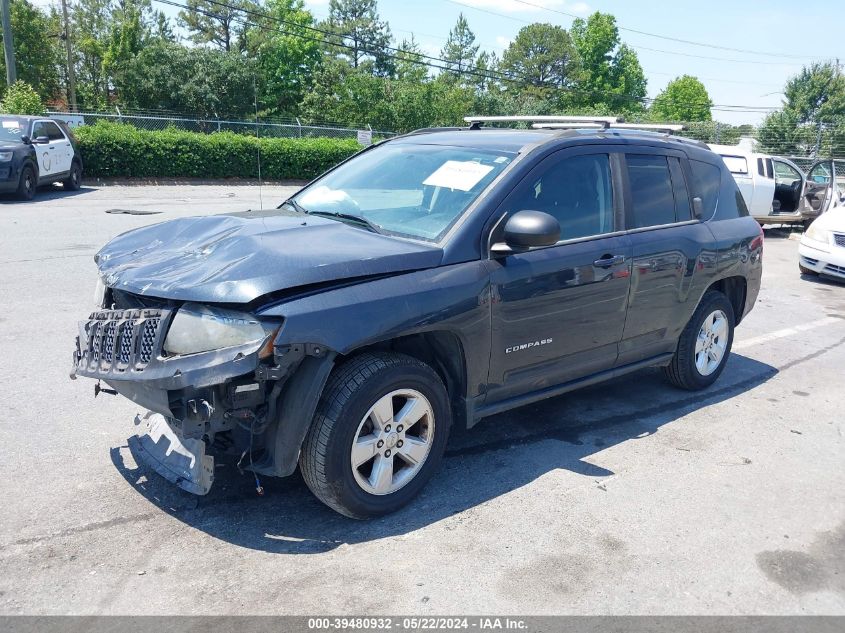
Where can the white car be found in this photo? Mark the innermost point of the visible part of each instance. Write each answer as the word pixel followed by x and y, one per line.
pixel 822 247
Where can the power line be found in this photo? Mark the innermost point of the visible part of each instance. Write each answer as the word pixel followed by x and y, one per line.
pixel 436 62
pixel 673 39
pixel 638 47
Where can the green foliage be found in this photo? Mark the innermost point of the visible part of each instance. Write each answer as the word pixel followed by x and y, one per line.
pixel 217 23
pixel 21 98
pixel 111 149
pixel 360 35
pixel 542 60
pixel 683 99
pixel 611 71
pixel 201 81
pixel 37 54
pixel 284 59
pixel 816 94
pixel 460 50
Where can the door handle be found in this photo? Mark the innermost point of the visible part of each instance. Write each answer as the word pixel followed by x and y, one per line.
pixel 607 261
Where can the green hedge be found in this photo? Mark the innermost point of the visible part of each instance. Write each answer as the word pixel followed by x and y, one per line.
pixel 111 149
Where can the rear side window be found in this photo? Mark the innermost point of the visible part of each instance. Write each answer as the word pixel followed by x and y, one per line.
pixel 652 198
pixel 683 211
pixel 706 179
pixel 736 164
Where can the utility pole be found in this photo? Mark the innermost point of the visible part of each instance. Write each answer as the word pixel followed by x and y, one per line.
pixel 71 71
pixel 11 73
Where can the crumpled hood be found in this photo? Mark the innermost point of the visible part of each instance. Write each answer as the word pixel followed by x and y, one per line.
pixel 228 259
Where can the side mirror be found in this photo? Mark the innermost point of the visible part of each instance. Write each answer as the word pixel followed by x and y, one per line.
pixel 525 230
pixel 26 140
pixel 697 207
pixel 42 140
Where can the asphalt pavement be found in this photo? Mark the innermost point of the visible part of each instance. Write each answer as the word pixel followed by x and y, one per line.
pixel 629 497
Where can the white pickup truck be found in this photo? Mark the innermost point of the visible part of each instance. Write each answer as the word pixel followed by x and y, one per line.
pixel 755 176
pixel 776 190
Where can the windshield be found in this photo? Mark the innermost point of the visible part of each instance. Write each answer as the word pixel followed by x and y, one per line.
pixel 413 190
pixel 12 129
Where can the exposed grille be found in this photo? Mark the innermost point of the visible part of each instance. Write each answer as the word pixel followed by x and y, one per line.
pixel 808 260
pixel 117 340
pixel 839 238
pixel 839 270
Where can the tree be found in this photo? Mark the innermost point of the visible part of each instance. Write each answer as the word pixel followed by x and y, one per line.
pixel 21 98
pixel 216 23
pixel 612 74
pixel 207 82
pixel 542 61
pixel 35 40
pixel 816 94
pixel 460 50
pixel 286 55
pixel 410 65
pixel 486 71
pixel 684 99
pixel 360 35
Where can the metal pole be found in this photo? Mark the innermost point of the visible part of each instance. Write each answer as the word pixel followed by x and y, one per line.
pixel 818 141
pixel 8 47
pixel 71 71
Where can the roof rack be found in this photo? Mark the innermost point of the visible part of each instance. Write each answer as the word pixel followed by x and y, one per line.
pixel 653 127
pixel 603 121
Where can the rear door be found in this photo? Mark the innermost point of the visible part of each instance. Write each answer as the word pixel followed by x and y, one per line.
pixel 668 245
pixel 558 312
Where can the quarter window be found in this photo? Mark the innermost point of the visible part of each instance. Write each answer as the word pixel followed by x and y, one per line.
pixel 706 180
pixel 652 199
pixel 577 191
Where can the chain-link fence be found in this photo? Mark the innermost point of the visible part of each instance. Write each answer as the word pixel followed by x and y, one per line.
pixel 269 127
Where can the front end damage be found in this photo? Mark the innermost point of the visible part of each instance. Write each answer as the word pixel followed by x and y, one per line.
pixel 251 399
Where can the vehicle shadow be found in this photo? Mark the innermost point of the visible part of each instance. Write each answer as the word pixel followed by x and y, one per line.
pixel 499 455
pixel 47 192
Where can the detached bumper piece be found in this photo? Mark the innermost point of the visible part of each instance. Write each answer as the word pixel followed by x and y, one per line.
pixel 118 343
pixel 180 460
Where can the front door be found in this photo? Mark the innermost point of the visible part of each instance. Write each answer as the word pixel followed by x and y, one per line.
pixel 54 156
pixel 558 312
pixel 821 191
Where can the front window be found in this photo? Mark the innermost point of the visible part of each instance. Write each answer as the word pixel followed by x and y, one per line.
pixel 12 130
pixel 406 189
pixel 785 174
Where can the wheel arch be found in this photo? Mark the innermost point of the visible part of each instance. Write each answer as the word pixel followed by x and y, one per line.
pixel 443 351
pixel 736 290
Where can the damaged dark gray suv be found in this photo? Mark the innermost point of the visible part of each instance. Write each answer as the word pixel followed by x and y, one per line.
pixel 425 283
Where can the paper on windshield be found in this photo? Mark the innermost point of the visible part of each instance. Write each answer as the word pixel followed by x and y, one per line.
pixel 12 125
pixel 455 174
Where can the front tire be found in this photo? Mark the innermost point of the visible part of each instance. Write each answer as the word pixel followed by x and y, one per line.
pixel 74 180
pixel 27 183
pixel 704 345
pixel 806 271
pixel 378 435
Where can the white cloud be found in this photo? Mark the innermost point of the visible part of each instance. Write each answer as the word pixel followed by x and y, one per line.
pixel 530 6
pixel 502 41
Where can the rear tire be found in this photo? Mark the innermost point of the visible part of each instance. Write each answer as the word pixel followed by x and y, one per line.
pixel 704 345
pixel 74 180
pixel 359 421
pixel 27 183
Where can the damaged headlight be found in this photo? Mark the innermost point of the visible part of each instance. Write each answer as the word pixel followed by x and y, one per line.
pixel 198 328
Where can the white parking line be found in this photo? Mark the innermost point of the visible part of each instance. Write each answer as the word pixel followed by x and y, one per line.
pixel 765 338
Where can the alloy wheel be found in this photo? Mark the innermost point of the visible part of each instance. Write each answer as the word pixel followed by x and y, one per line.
pixel 711 343
pixel 392 442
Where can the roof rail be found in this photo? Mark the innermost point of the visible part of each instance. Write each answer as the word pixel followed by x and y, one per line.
pixel 653 127
pixel 603 121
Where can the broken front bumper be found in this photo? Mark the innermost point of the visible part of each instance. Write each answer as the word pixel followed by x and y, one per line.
pixel 124 348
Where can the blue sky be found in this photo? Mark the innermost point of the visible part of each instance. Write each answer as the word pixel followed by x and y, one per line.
pixel 788 34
